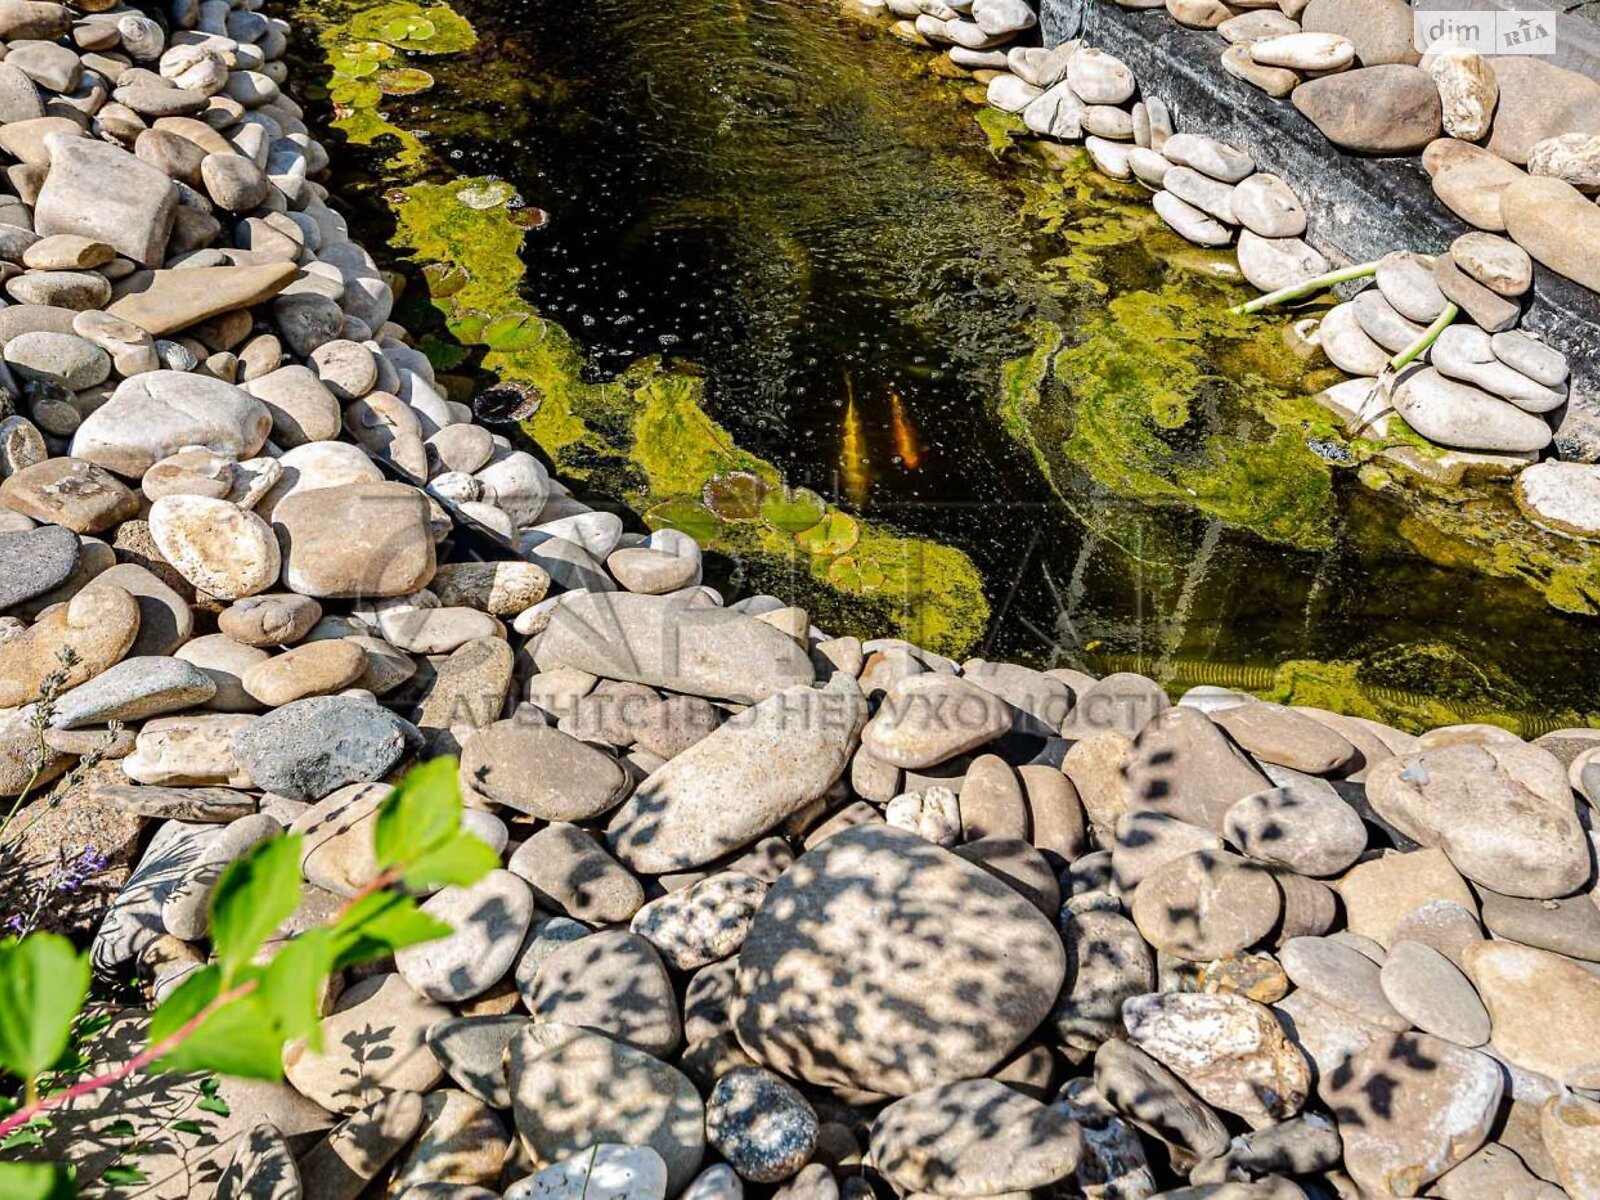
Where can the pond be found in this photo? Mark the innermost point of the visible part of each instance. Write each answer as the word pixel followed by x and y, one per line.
pixel 953 336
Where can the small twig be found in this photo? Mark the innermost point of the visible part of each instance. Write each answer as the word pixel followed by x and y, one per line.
pixel 1305 288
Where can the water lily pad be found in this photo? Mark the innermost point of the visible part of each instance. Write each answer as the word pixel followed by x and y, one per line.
pixel 735 495
pixel 513 331
pixel 686 516
pixel 355 68
pixel 837 533
pixel 405 81
pixel 412 28
pixel 506 402
pixel 444 279
pixel 490 193
pixel 467 324
pixel 356 93
pixel 421 30
pixel 793 510
pixel 854 574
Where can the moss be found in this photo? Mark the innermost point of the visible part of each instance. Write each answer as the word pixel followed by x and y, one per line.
pixel 1145 417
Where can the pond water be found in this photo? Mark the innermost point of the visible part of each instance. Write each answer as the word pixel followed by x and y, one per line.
pixel 963 341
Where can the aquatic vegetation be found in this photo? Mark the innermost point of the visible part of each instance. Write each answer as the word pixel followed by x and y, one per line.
pixel 646 437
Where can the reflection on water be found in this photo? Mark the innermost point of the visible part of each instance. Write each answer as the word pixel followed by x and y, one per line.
pixel 877 299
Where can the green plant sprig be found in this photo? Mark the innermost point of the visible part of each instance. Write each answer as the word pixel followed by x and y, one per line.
pixel 235 1015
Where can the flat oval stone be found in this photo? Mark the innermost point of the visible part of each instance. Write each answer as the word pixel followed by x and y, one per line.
pixel 1380 30
pixel 1189 222
pixel 663 642
pixel 572 1090
pixel 1430 991
pixel 65 491
pixel 613 1171
pixel 1206 904
pixel 220 548
pixel 1107 964
pixel 1457 414
pixel 1407 284
pixel 312 747
pixel 741 780
pixel 1555 223
pixel 1156 1100
pixel 1503 813
pixel 1306 829
pixel 973 1137
pixel 1538 100
pixel 928 719
pixel 1498 264
pixel 1266 205
pixel 1411 1107
pixel 347 1074
pixel 34 561
pixel 571 873
pixel 1342 977
pixel 702 923
pixel 279 619
pixel 542 772
pixel 1388 109
pixel 1544 1010
pixel 314 669
pixel 490 918
pixel 1347 345
pixel 355 540
pixel 839 986
pixel 153 415
pixel 1213 776
pixel 98 625
pixel 1305 51
pixel 1208 156
pixel 132 690
pixel 612 982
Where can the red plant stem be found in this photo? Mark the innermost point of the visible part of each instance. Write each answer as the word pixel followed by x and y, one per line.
pixel 172 1041
pixel 137 1063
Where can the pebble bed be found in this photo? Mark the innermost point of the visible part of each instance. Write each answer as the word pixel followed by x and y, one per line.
pixel 778 911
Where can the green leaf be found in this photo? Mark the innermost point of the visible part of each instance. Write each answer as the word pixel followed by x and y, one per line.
pixel 255 895
pixel 123 1176
pixel 378 925
pixel 190 1127
pixel 184 1003
pixel 30 1134
pixel 240 1038
pixel 291 986
pixel 210 1101
pixel 119 1129
pixel 36 1181
pixel 465 858
pixel 43 984
pixel 422 813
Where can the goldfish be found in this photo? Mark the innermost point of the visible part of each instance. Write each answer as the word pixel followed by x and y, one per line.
pixel 906 444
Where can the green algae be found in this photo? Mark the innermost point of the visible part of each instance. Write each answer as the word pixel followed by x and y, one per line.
pixel 646 437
